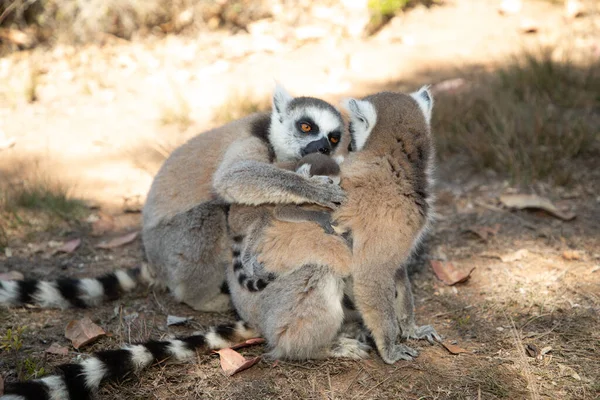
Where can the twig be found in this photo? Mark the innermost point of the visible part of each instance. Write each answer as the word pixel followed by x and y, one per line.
pixel 453 311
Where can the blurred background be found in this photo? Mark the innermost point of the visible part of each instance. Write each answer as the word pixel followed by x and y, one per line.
pixel 95 94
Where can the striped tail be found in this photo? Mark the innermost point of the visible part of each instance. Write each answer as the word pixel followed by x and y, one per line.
pixel 67 292
pixel 250 283
pixel 81 381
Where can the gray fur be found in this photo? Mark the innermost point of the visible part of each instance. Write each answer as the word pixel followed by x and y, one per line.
pixel 184 219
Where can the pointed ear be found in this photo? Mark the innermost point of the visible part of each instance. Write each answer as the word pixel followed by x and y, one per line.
pixel 424 99
pixel 281 99
pixel 361 110
pixel 363 118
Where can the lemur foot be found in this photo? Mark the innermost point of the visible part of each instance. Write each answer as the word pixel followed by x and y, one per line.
pixel 426 332
pixel 349 348
pixel 398 352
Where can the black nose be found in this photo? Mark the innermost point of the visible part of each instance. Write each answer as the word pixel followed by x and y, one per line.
pixel 322 146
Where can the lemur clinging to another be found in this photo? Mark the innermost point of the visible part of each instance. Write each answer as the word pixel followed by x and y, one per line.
pixel 184 227
pixel 247 223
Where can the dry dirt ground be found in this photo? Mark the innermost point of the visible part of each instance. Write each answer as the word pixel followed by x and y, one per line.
pixel 105 117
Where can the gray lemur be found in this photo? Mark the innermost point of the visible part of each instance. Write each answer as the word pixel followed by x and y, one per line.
pixel 184 228
pixel 387 178
pixel 247 223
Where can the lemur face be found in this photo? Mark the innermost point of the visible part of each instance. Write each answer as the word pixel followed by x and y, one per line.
pixel 303 125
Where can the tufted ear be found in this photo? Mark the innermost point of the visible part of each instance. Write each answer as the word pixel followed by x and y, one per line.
pixel 281 99
pixel 424 99
pixel 363 118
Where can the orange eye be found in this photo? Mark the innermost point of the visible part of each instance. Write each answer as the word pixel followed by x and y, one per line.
pixel 334 140
pixel 304 127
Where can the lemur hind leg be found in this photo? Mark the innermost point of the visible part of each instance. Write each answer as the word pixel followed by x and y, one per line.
pixel 190 254
pixel 300 315
pixel 405 311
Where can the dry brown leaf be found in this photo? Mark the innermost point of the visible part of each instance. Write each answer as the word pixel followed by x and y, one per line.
pixel 516 256
pixel 571 255
pixel 532 350
pixel 446 272
pixel 233 362
pixel 485 232
pixel 1 386
pixel 525 201
pixel 118 241
pixel 454 349
pixel 56 348
pixel 82 331
pixel 12 276
pixel 249 342
pixel 68 247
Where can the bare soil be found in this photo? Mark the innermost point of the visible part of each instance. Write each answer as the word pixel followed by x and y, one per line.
pixel 96 126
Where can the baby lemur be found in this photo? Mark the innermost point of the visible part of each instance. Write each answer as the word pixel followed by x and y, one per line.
pixel 387 179
pixel 247 223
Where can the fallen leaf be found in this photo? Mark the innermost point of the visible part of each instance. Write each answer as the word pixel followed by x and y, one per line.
pixel 532 350
pixel 68 247
pixel 1 386
pixel 454 349
pixel 56 348
pixel 516 256
pixel 233 362
pixel 82 331
pixel 12 276
pixel 571 255
pixel 8 252
pixel 118 241
pixel 249 342
pixel 546 350
pixel 485 232
pixel 175 320
pixel 446 273
pixel 526 201
pixel 565 370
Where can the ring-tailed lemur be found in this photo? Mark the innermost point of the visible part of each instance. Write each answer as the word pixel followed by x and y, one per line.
pixel 185 215
pixel 248 222
pixel 387 178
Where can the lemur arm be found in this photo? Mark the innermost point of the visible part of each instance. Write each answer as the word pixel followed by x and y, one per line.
pixel 245 176
pixel 295 213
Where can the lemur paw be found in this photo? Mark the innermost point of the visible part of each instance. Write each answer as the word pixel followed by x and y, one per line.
pixel 398 352
pixel 325 193
pixel 426 332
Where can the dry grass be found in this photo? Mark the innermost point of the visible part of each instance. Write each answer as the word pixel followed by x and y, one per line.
pixel 528 121
pixel 85 21
pixel 239 105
